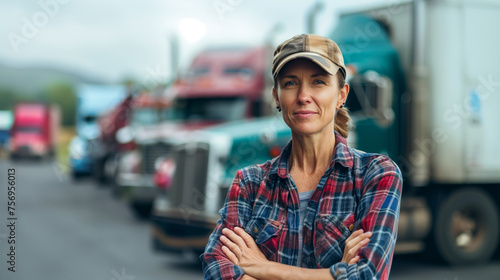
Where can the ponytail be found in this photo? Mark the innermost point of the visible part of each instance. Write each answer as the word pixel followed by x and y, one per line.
pixel 342 119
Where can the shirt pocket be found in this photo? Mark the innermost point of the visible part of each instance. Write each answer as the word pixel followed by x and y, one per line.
pixel 267 234
pixel 330 236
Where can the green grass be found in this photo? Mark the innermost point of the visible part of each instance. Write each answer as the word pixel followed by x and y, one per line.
pixel 64 138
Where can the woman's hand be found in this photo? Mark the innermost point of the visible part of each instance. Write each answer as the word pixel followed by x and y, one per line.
pixel 241 249
pixel 357 240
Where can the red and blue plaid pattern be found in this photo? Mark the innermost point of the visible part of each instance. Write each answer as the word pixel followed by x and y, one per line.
pixel 358 190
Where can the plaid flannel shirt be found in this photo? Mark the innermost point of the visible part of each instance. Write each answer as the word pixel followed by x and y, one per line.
pixel 358 190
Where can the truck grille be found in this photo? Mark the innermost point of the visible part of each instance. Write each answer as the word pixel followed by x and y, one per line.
pixel 150 153
pixel 190 178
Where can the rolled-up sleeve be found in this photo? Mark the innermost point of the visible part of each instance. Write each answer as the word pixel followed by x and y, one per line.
pixel 378 212
pixel 236 211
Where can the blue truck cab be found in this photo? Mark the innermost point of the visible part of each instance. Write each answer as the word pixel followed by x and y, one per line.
pixel 92 101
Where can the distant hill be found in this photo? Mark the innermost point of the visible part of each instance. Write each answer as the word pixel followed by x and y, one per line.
pixel 32 79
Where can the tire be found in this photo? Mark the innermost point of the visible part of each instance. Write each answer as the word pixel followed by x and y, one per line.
pixel 76 176
pixel 142 210
pixel 13 157
pixel 98 172
pixel 109 168
pixel 466 228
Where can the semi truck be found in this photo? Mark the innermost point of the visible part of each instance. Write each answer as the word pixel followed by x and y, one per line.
pixel 92 101
pixel 34 130
pixel 195 177
pixel 424 88
pixel 143 109
pixel 221 85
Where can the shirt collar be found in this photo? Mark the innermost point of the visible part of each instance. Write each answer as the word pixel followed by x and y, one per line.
pixel 343 155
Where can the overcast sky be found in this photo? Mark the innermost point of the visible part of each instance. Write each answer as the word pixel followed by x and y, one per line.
pixel 116 38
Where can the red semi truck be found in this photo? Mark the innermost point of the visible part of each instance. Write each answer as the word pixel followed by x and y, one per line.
pixel 221 85
pixel 34 130
pixel 134 112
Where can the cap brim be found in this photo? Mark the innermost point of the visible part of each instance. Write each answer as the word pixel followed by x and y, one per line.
pixel 321 61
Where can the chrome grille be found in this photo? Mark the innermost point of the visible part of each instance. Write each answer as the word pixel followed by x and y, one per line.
pixel 150 153
pixel 190 179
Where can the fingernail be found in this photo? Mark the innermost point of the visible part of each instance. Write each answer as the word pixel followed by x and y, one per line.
pixel 224 230
pixel 366 240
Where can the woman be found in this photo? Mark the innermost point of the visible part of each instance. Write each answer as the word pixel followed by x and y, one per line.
pixel 320 210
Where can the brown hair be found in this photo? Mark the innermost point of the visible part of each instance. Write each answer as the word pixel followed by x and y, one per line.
pixel 342 118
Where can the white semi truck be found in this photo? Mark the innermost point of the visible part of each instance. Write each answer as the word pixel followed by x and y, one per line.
pixel 427 92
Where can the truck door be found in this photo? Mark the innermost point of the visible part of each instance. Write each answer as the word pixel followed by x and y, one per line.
pixel 375 87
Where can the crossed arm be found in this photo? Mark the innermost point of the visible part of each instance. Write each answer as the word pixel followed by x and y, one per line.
pixel 240 248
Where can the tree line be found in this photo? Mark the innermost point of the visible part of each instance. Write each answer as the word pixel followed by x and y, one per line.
pixel 62 94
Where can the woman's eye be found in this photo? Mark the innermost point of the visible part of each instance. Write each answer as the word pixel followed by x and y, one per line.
pixel 289 83
pixel 319 82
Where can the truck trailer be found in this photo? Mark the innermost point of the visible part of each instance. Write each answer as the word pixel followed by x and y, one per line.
pixel 424 91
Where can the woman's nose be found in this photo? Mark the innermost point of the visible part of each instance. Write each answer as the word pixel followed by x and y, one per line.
pixel 304 95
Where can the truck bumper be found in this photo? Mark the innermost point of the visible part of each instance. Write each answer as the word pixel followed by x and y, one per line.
pixel 137 187
pixel 175 231
pixel 28 151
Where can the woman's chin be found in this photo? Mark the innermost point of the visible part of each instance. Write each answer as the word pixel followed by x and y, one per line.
pixel 305 130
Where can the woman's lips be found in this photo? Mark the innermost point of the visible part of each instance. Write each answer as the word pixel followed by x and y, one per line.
pixel 304 114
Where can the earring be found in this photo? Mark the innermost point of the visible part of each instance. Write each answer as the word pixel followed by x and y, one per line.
pixel 279 109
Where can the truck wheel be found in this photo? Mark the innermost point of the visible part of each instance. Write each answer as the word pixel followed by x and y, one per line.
pixel 466 228
pixel 98 172
pixel 76 176
pixel 109 168
pixel 142 210
pixel 13 157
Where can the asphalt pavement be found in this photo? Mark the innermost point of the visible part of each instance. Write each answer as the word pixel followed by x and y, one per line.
pixel 77 230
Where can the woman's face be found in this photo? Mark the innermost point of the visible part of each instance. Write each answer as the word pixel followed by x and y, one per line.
pixel 308 97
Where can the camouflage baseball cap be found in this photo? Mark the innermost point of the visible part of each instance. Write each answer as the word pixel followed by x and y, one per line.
pixel 318 49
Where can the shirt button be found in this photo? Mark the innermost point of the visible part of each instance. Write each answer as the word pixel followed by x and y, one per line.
pixel 255 230
pixel 351 227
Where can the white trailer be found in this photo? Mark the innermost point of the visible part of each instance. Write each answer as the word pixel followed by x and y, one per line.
pixel 445 130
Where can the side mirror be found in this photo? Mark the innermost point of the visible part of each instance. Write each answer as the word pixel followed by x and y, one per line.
pixel 371 96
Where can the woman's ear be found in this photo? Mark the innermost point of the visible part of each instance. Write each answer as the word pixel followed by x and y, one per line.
pixel 343 93
pixel 276 99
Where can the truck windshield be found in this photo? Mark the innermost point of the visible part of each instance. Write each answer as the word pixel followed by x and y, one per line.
pixel 90 118
pixel 198 72
pixel 144 116
pixel 208 109
pixel 29 129
pixel 242 71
